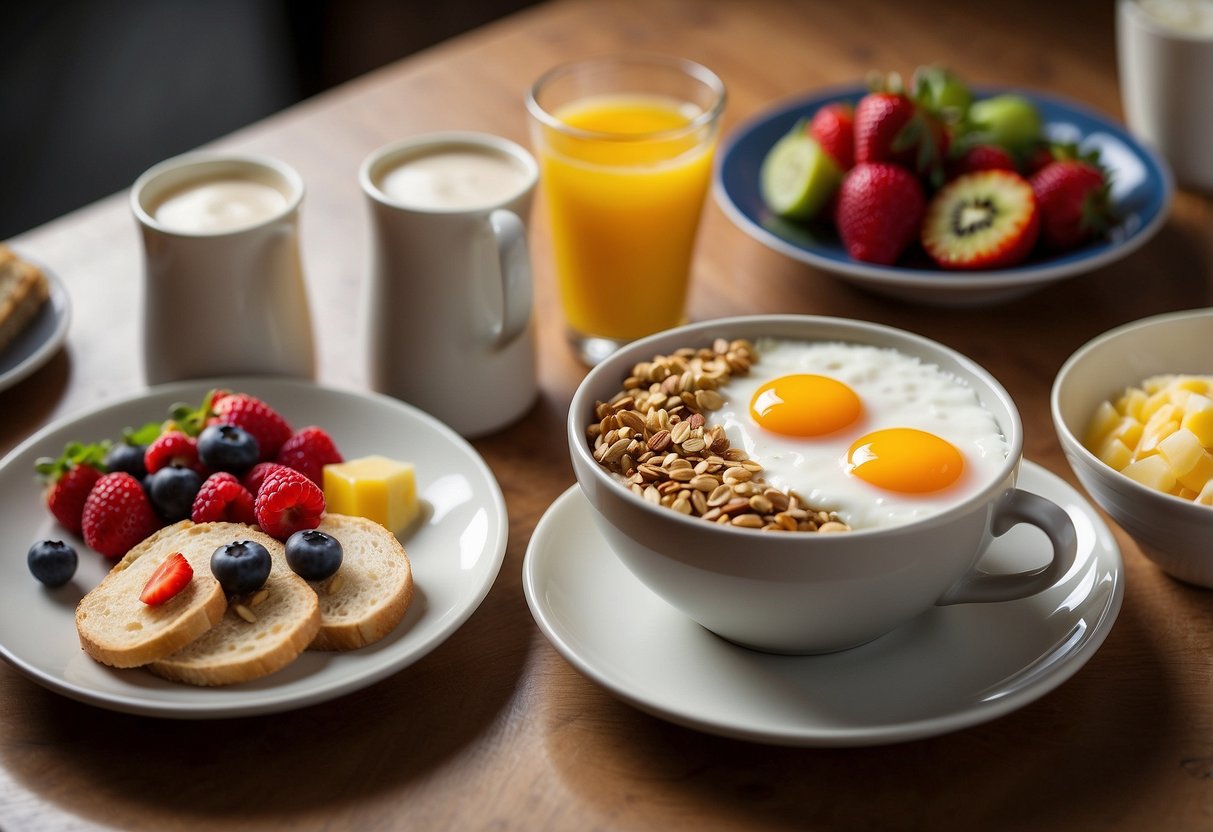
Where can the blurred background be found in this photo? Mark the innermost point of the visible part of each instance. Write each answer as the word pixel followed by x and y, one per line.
pixel 93 92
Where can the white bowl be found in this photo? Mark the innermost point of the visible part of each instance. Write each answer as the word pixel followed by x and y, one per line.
pixel 797 592
pixel 1174 533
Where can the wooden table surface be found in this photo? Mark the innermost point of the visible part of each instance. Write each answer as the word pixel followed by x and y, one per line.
pixel 494 729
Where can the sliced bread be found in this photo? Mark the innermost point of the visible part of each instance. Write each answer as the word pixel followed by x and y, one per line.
pixel 258 635
pixel 370 593
pixel 119 630
pixel 23 290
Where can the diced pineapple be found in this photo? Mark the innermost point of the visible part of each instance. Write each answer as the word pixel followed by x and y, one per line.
pixel 1101 424
pixel 1151 436
pixel 1115 453
pixel 1155 383
pixel 1128 430
pixel 1205 497
pixel 1201 473
pixel 1182 450
pixel 1152 472
pixel 1155 402
pixel 1198 418
pixel 1132 403
pixel 1196 384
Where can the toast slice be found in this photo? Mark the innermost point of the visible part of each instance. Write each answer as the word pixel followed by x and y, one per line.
pixel 23 290
pixel 258 634
pixel 370 593
pixel 119 630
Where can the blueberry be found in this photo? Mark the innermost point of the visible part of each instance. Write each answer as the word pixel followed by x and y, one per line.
pixel 241 566
pixel 227 448
pixel 52 562
pixel 312 554
pixel 126 457
pixel 172 490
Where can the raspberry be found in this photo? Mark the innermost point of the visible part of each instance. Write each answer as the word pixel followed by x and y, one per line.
pixel 223 498
pixel 257 474
pixel 308 451
pixel 287 502
pixel 255 416
pixel 117 515
pixel 172 448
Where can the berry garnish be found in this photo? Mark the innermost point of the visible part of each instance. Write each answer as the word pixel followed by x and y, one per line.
pixel 227 448
pixel 308 450
pixel 257 474
pixel 69 478
pixel 128 458
pixel 52 562
pixel 171 448
pixel 170 577
pixel 982 220
pixel 880 208
pixel 287 502
pixel 223 498
pixel 117 515
pixel 172 491
pixel 253 415
pixel 241 566
pixel 1075 206
pixel 313 555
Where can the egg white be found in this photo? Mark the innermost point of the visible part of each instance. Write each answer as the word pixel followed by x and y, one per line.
pixel 897 390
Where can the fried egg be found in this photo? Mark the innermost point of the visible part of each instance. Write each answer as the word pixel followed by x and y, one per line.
pixel 878 436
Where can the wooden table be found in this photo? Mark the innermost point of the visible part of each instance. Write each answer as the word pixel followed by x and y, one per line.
pixel 494 729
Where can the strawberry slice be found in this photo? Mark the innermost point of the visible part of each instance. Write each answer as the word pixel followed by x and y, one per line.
pixel 170 577
pixel 982 220
pixel 288 502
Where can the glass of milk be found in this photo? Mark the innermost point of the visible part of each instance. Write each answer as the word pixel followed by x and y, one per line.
pixel 223 290
pixel 448 317
pixel 1165 57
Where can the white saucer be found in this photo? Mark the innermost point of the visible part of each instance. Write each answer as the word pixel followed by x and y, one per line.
pixel 455 551
pixel 951 668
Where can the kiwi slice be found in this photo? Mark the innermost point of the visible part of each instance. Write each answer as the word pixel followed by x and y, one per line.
pixel 982 220
pixel 798 177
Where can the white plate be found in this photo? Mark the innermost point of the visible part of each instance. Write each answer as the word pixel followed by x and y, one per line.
pixel 455 554
pixel 34 346
pixel 950 668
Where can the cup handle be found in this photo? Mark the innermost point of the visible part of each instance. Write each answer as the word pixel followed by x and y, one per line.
pixel 1015 507
pixel 515 263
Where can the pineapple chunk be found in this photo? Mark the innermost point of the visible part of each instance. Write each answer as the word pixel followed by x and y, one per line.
pixel 1152 472
pixel 1132 403
pixel 1200 474
pixel 1102 423
pixel 1205 497
pixel 1115 453
pixel 1198 418
pixel 1182 450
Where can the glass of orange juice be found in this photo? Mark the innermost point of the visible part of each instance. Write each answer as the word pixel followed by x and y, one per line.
pixel 625 148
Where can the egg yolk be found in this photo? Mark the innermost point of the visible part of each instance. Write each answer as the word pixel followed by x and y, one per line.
pixel 905 460
pixel 804 405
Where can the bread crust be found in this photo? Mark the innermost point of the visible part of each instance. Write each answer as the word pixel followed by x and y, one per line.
pixel 237 650
pixel 119 630
pixel 356 615
pixel 23 291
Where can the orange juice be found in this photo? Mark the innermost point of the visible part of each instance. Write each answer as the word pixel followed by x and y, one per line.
pixel 625 185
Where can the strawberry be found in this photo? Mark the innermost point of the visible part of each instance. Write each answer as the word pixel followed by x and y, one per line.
pixel 288 502
pixel 833 126
pixel 170 577
pixel 256 475
pixel 172 448
pixel 265 424
pixel 69 478
pixel 987 219
pixel 891 127
pixel 880 208
pixel 117 515
pixel 223 497
pixel 981 157
pixel 1074 203
pixel 308 451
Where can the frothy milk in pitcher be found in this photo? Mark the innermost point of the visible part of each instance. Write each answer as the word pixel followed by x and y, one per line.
pixel 455 180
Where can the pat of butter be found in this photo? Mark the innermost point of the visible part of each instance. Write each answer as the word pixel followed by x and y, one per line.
pixel 373 487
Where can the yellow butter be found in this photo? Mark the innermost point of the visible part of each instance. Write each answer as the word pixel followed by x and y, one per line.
pixel 374 487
